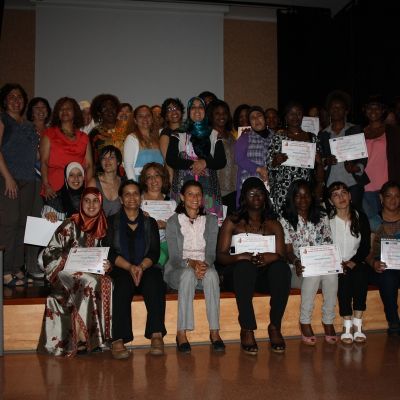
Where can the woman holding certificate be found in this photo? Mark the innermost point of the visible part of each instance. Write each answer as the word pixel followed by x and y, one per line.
pixel 281 176
pixel 191 237
pixel 77 315
pixel 351 233
pixel 386 274
pixel 256 270
pixel 154 180
pixel 306 225
pixel 134 251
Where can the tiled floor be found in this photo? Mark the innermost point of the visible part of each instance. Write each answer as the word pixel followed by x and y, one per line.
pixel 370 371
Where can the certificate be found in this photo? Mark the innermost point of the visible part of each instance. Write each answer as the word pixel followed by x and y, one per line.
pixel 310 124
pixel 390 253
pixel 160 210
pixel 86 259
pixel 321 260
pixel 39 231
pixel 347 148
pixel 300 154
pixel 243 129
pixel 252 243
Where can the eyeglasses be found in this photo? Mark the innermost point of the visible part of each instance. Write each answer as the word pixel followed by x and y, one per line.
pixel 172 108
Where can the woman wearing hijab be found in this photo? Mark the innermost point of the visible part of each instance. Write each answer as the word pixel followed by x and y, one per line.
pixel 68 197
pixel 77 314
pixel 197 152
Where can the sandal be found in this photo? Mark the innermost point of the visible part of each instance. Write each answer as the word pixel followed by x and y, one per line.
pixel 307 335
pixel 248 342
pixel 23 277
pixel 330 334
pixel 276 339
pixel 346 337
pixel 13 282
pixel 359 336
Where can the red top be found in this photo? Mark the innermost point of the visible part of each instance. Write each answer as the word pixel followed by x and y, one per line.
pixel 64 150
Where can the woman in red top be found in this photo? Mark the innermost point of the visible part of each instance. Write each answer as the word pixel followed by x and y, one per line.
pixel 63 143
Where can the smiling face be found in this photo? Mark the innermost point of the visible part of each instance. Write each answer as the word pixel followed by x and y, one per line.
pixel 374 112
pixel 197 111
pixel 173 114
pixel 192 199
pixel 391 199
pixel 340 198
pixel 302 200
pixel 257 121
pixel 144 119
pixel 153 181
pixel 130 198
pixel 75 179
pixel 91 205
pixel 15 102
pixel 39 112
pixel 220 116
pixel 109 162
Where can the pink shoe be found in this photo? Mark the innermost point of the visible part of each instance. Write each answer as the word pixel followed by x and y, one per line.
pixel 330 334
pixel 307 335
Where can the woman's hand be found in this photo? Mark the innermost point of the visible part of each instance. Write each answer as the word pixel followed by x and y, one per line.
pixel 11 188
pixel 107 266
pixel 51 216
pixel 351 168
pixel 299 268
pixel 198 167
pixel 199 267
pixel 136 274
pixel 263 172
pixel 329 160
pixel 379 266
pixel 49 193
pixel 278 159
pixel 161 224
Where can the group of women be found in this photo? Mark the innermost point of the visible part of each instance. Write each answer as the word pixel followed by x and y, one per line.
pixel 206 164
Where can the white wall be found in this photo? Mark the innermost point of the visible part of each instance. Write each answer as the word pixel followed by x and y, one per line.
pixel 142 52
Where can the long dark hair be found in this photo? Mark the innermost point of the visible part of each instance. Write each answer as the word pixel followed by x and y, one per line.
pixel 242 213
pixel 354 220
pixel 180 208
pixel 290 211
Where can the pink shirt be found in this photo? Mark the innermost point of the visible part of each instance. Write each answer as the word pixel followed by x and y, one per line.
pixel 377 166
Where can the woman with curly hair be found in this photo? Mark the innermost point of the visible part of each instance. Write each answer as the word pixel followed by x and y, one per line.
pixel 61 144
pixel 142 144
pixel 196 152
pixel 109 130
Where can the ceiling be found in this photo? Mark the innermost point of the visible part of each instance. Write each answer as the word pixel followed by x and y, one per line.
pixel 245 8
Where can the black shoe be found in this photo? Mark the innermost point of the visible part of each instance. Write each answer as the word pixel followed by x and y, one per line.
pixel 248 342
pixel 393 330
pixel 276 339
pixel 183 347
pixel 217 345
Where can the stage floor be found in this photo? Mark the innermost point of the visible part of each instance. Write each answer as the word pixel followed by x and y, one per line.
pixel 369 371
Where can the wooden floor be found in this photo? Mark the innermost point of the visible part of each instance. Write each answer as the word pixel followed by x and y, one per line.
pixel 326 372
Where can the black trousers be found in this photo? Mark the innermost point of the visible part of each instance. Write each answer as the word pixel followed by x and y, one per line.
pixel 353 288
pixel 389 285
pixel 244 278
pixel 152 288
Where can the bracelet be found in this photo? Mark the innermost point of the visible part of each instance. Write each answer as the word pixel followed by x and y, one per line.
pixel 141 265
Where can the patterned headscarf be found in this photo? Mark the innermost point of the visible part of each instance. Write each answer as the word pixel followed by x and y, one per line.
pixel 95 226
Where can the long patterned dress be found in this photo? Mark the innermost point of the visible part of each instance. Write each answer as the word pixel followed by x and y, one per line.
pixel 77 299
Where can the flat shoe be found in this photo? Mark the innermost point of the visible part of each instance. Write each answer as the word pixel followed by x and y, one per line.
pixel 157 346
pixel 118 350
pixel 217 345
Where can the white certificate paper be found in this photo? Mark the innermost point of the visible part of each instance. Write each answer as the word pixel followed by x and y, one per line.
pixel 160 210
pixel 252 243
pixel 242 129
pixel 86 259
pixel 300 154
pixel 39 231
pixel 347 148
pixel 310 124
pixel 390 253
pixel 321 260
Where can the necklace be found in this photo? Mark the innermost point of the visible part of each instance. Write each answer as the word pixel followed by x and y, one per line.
pixel 70 134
